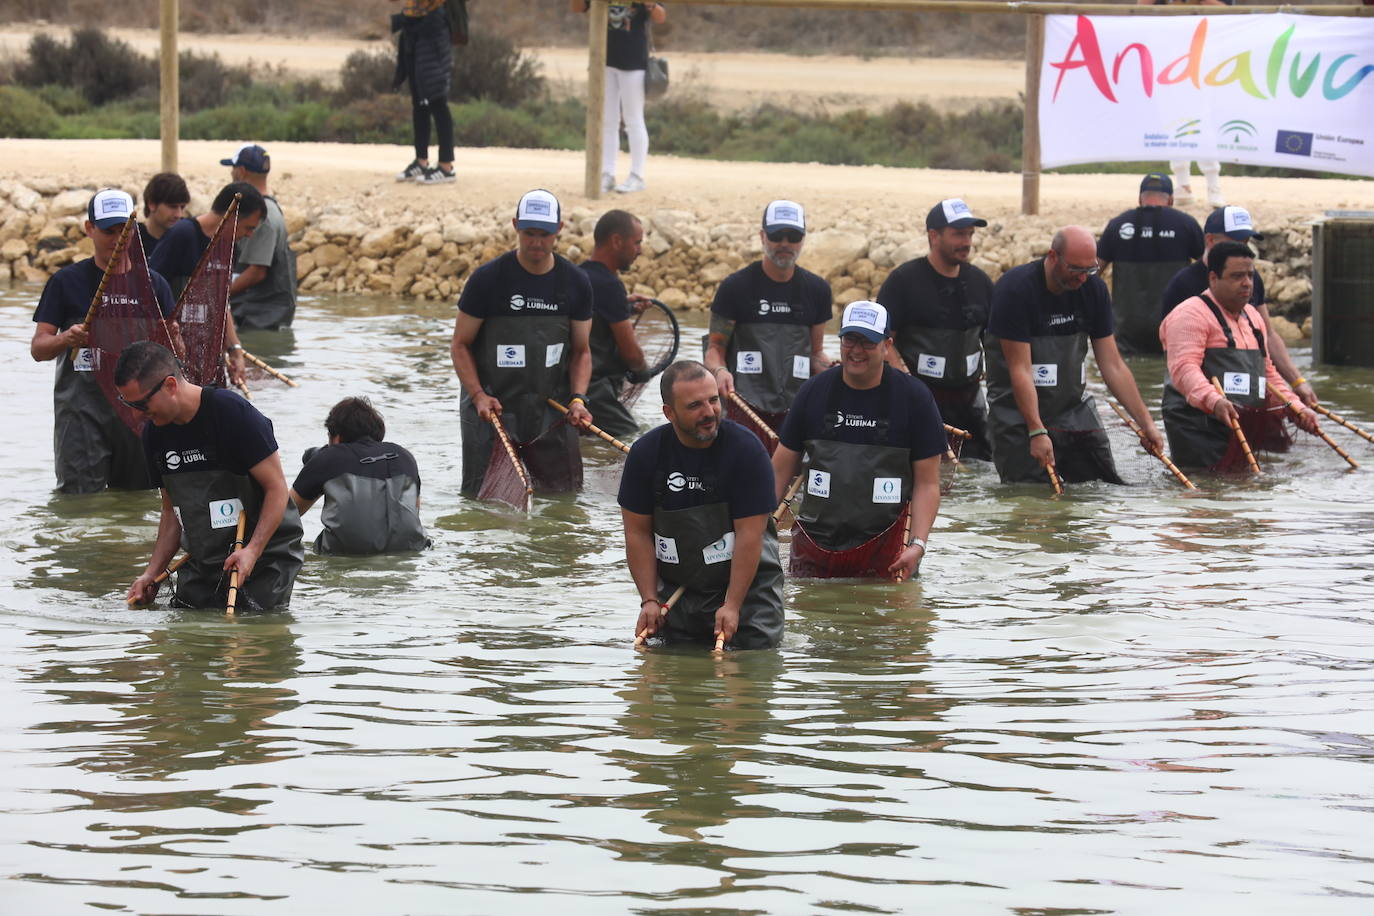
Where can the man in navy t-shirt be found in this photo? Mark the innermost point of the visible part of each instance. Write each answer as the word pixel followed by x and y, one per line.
pixel 696 496
pixel 616 353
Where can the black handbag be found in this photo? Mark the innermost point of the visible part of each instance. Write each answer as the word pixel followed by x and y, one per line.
pixel 457 20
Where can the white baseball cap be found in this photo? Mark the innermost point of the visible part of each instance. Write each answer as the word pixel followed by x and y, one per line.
pixel 952 212
pixel 1234 222
pixel 109 208
pixel 784 214
pixel 538 209
pixel 866 318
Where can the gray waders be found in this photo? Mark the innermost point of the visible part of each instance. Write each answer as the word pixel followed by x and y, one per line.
pixel 1137 289
pixel 608 380
pixel 950 362
pixel 271 304
pixel 371 515
pixel 92 448
pixel 769 362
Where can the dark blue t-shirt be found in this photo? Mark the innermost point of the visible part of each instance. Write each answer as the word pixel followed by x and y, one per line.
pixel 916 294
pixel 227 433
pixel 748 295
pixel 1193 280
pixel 67 296
pixel 179 251
pixel 362 458
pixel 1148 234
pixel 609 300
pixel 502 287
pixel 734 469
pixel 912 418
pixel 627 37
pixel 1023 307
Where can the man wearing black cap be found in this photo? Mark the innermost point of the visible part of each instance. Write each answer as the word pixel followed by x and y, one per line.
pixel 1146 245
pixel 939 308
pixel 263 294
pixel 1234 224
pixel 92 446
pixel 768 321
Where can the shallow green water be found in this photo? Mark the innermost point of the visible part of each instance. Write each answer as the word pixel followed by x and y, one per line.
pixel 1124 700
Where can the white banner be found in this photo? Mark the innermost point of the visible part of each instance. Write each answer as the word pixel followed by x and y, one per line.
pixel 1294 91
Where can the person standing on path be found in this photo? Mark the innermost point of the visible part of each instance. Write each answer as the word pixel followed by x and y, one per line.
pixel 424 59
pixel 627 60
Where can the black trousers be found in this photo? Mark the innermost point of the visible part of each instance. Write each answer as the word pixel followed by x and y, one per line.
pixel 421 111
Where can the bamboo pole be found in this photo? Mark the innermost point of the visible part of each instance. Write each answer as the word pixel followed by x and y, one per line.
pixel 1239 433
pixel 170 85
pixel 594 430
pixel 1327 439
pixel 597 23
pixel 232 604
pixel 748 411
pixel 268 369
pixel 1332 415
pixel 1145 444
pixel 161 578
pixel 115 257
pixel 1030 128
pixel 1054 480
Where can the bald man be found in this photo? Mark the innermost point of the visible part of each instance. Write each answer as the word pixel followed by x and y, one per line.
pixel 1044 315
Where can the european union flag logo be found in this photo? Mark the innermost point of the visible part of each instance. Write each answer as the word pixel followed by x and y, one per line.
pixel 1293 142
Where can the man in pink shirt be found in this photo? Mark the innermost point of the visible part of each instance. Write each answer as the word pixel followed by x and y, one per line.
pixel 1216 335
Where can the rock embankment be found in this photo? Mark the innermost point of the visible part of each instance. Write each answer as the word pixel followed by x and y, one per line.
pixel 686 253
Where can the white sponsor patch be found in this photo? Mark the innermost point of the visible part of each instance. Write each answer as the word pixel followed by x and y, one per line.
pixel 510 356
pixel 749 362
pixel 971 364
pixel 224 513
pixel 801 367
pixel 929 365
pixel 665 549
pixel 1263 389
pixel 1236 382
pixel 887 489
pixel 85 360
pixel 721 551
pixel 1045 375
pixel 818 484
pixel 552 354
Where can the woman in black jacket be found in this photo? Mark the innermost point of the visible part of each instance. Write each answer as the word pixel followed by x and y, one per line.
pixel 424 58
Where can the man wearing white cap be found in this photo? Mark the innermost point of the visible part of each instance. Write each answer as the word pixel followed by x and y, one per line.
pixel 92 447
pixel 521 336
pixel 939 307
pixel 768 322
pixel 1234 224
pixel 263 294
pixel 869 439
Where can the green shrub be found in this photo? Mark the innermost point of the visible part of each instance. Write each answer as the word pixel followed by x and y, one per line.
pixel 64 99
pixel 206 81
pixel 366 74
pixel 490 68
pixel 102 68
pixel 24 114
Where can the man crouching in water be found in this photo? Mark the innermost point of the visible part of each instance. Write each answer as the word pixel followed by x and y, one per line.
pixel 696 497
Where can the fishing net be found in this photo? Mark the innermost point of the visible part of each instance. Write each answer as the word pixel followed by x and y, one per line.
pixel 551 463
pixel 126 311
pixel 772 422
pixel 869 560
pixel 203 306
pixel 1264 429
pixel 506 480
pixel 1081 455
pixel 658 334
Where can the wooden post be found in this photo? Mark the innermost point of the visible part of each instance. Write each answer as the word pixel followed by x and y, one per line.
pixel 1030 129
pixel 597 21
pixel 171 89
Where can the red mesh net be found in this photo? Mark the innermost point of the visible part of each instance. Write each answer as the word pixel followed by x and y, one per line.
pixel 868 560
pixel 506 480
pixel 1264 430
pixel 552 463
pixel 772 422
pixel 201 311
pixel 125 311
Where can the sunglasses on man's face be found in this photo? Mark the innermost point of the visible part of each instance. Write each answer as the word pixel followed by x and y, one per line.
pixel 1084 271
pixel 141 405
pixel 785 235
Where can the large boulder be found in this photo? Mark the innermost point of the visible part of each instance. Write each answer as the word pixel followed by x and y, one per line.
pixel 829 250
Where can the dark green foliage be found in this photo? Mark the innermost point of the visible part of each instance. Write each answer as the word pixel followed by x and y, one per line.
pixel 102 68
pixel 366 74
pixel 206 80
pixel 490 68
pixel 24 114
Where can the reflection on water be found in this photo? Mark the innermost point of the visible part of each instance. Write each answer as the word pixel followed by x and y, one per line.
pixel 1126 699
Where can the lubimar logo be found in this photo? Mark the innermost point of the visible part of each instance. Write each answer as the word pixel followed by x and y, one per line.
pixel 1085 52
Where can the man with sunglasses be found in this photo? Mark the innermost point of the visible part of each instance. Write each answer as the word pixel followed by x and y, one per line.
pixel 768 322
pixel 92 447
pixel 1044 316
pixel 939 308
pixel 872 439
pixel 214 457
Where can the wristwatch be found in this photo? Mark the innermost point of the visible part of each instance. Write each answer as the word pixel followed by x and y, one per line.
pixel 917 541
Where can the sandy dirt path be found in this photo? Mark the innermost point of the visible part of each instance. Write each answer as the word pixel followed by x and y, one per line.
pixel 729 81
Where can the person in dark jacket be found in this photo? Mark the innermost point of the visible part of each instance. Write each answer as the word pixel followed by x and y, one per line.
pixel 424 59
pixel 371 488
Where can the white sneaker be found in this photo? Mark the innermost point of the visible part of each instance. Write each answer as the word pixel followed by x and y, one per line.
pixel 631 185
pixel 413 172
pixel 607 181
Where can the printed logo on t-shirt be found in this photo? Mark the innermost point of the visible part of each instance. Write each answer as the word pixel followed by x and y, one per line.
pixel 520 303
pixel 224 513
pixel 85 360
pixel 844 419
pixel 818 484
pixel 173 459
pixel 1127 231
pixel 775 308
pixel 665 549
pixel 1236 383
pixel 1045 375
pixel 510 356
pixel 1061 319
pixel 721 551
pixel 749 362
pixel 801 367
pixel 553 353
pixel 930 365
pixel 887 489
pixel 971 364
pixel 678 481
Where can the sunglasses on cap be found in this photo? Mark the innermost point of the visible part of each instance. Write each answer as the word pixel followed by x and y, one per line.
pixel 786 235
pixel 141 405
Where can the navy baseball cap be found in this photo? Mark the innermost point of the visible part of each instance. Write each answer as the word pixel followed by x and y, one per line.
pixel 252 157
pixel 1158 182
pixel 954 213
pixel 538 209
pixel 1232 222
pixel 109 208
